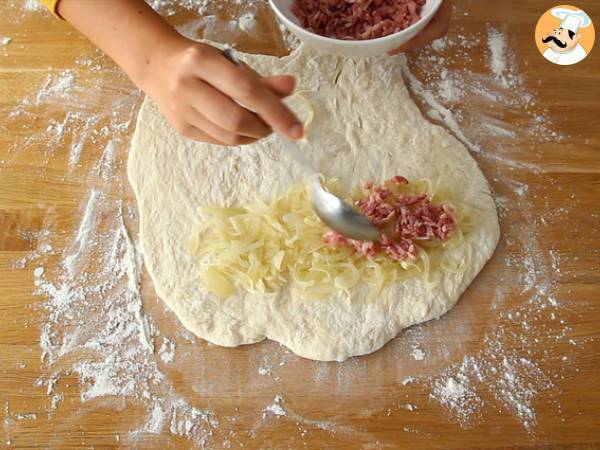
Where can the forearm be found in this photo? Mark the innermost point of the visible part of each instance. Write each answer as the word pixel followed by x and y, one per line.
pixel 199 91
pixel 129 31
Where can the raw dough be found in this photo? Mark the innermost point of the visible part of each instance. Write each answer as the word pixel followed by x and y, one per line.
pixel 366 128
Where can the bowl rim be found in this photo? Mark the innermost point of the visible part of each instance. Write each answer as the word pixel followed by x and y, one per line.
pixel 354 42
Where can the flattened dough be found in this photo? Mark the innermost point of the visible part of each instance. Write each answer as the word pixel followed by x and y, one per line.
pixel 366 128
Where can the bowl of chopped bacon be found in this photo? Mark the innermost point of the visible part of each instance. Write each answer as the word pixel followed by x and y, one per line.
pixel 355 27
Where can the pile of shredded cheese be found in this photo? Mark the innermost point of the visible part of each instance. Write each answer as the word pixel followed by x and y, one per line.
pixel 263 248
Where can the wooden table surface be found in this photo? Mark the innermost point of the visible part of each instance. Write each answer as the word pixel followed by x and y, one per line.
pixel 552 215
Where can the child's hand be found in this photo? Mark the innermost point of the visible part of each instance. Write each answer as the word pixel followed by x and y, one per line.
pixel 196 87
pixel 198 90
pixel 435 29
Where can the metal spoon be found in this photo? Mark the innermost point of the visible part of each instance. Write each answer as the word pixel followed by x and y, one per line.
pixel 332 210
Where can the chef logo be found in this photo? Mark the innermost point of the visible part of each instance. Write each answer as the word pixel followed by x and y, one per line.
pixel 564 35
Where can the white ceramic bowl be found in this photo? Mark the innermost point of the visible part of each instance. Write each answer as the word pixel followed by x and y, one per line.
pixel 369 47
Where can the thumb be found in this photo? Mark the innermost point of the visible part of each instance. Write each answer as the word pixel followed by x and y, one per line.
pixel 282 85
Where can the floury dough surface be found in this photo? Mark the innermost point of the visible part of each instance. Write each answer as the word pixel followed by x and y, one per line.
pixel 366 128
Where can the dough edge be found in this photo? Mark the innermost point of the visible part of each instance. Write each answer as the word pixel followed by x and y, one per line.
pixel 333 329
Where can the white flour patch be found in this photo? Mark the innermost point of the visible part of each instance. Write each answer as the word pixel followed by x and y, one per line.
pixel 456 394
pixel 496 130
pixel 56 87
pixel 180 419
pixel 275 408
pixel 497 43
pixel 196 28
pixel 75 154
pixel 78 141
pixel 167 351
pixel 21 10
pixel 247 22
pixel 5 40
pixel 408 380
pixel 26 416
pixel 290 40
pixel 156 419
pixel 55 400
pixel 170 7
pixel 209 25
pixel 82 238
pixel 417 354
pixel 33 5
pixel 439 112
pixel 264 370
pixel 107 161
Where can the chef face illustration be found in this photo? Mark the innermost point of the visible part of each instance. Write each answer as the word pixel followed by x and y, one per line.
pixel 563 39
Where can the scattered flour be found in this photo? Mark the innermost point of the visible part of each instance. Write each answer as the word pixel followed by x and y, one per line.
pixel 84 233
pixel 275 408
pixel 107 160
pixel 56 87
pixel 247 22
pixel 264 370
pixel 498 130
pixel 439 112
pixel 5 40
pixel 417 354
pixel 447 80
pixel 169 7
pixel 408 380
pixel 26 416
pixel 458 396
pixel 497 43
pixel 33 5
pixel 167 351
pixel 75 154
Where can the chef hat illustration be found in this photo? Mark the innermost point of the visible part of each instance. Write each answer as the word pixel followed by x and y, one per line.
pixel 571 19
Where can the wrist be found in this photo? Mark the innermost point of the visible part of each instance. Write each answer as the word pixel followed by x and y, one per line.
pixel 155 57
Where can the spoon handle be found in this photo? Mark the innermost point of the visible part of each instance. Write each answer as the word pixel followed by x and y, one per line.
pixel 294 151
pixel 290 146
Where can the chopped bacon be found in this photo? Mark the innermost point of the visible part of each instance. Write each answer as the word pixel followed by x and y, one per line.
pixel 403 220
pixel 398 250
pixel 398 179
pixel 335 239
pixel 357 19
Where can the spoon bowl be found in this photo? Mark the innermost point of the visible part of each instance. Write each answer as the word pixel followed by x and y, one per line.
pixel 332 210
pixel 342 217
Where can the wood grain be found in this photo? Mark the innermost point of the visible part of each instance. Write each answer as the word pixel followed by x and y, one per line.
pixel 37 192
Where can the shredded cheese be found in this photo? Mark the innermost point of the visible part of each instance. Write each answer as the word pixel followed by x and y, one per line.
pixel 263 248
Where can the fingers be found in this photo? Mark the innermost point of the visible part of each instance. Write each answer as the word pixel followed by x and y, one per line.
pixel 224 112
pixel 435 29
pixel 218 134
pixel 246 86
pixel 191 132
pixel 208 98
pixel 282 85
